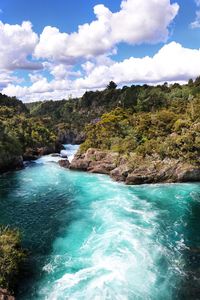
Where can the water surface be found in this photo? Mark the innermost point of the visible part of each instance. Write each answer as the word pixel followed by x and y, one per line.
pixel 95 239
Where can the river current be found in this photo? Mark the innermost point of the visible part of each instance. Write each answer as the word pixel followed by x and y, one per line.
pixel 91 238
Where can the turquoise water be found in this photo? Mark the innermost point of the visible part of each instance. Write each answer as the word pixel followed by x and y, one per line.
pixel 91 238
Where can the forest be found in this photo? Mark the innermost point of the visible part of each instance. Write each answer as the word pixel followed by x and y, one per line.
pixel 137 121
pixel 147 120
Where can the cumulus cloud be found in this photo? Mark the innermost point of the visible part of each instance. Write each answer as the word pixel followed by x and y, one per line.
pixel 138 21
pixel 7 78
pixel 171 63
pixel 16 43
pixel 44 90
pixel 61 71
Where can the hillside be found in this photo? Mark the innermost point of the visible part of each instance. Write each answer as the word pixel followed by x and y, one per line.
pixel 21 135
pixel 146 121
pixel 69 117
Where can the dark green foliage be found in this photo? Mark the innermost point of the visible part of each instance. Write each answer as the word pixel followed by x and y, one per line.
pixel 11 257
pixel 111 86
pixel 164 133
pixel 19 131
pixel 13 103
pixel 159 120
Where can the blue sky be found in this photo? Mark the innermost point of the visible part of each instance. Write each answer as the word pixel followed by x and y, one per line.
pixel 44 55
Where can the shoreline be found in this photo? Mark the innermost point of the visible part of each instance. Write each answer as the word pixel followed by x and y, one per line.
pixel 149 171
pixel 111 163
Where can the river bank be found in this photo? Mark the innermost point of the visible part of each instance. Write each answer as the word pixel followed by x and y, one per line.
pixel 135 170
pixel 90 237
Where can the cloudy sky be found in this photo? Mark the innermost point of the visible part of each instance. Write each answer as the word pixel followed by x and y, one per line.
pixel 55 49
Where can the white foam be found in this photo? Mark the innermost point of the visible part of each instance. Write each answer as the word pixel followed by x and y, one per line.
pixel 113 247
pixel 70 151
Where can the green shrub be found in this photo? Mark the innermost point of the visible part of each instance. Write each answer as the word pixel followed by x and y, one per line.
pixel 11 257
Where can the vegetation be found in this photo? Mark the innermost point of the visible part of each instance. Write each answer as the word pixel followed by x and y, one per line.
pixel 137 121
pixel 19 131
pixel 11 257
pixel 162 120
pixel 163 133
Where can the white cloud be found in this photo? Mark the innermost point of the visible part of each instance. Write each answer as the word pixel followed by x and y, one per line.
pixel 35 77
pixel 196 23
pixel 16 43
pixel 61 71
pixel 138 21
pixel 171 63
pixel 7 78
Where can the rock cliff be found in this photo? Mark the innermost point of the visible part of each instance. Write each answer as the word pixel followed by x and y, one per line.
pixel 148 170
pixel 11 162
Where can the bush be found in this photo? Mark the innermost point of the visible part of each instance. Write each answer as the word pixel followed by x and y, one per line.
pixel 11 257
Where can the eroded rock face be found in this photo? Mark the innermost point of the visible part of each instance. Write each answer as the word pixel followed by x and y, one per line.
pixel 164 171
pixel 151 170
pixel 121 172
pixel 4 295
pixel 33 154
pixel 11 163
pixel 95 161
pixel 64 163
pixel 70 137
pixel 190 174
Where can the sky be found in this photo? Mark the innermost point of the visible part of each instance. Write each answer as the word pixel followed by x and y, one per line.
pixel 60 49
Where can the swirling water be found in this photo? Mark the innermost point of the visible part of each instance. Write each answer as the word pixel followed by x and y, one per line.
pixel 95 239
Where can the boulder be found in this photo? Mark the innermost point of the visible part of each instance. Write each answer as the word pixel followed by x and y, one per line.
pixel 95 161
pixel 120 173
pixel 64 163
pixel 79 164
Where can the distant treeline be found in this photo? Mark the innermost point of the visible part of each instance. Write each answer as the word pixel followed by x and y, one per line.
pixel 136 118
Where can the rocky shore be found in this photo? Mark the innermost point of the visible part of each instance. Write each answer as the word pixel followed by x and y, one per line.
pixel 11 162
pixel 5 295
pixel 33 154
pixel 135 170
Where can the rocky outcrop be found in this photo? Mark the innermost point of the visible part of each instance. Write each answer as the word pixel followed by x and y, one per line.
pixel 74 137
pixel 33 154
pixel 5 295
pixel 11 162
pixel 64 163
pixel 95 161
pixel 148 170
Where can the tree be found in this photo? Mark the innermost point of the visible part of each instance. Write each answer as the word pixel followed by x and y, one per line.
pixel 197 81
pixel 190 82
pixel 112 85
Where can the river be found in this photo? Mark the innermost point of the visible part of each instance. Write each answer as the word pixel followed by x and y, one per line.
pixel 91 238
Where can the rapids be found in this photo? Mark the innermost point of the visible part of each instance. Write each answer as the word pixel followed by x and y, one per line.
pixel 94 239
